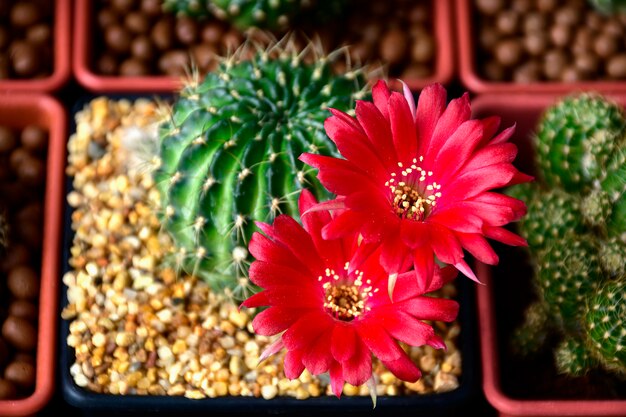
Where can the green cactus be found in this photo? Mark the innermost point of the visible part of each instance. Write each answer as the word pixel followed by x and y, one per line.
pixel 229 154
pixel 576 230
pixel 568 271
pixel 576 138
pixel 573 358
pixel 605 321
pixel 551 214
pixel 244 14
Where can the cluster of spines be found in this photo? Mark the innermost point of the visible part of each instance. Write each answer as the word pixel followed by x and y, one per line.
pixel 229 153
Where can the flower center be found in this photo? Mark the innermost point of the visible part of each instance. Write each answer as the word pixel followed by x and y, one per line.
pixel 413 196
pixel 345 299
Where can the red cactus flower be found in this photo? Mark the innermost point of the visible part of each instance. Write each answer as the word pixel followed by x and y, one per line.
pixel 418 182
pixel 332 318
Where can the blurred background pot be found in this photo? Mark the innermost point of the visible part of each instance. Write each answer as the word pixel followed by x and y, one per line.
pixel 31 194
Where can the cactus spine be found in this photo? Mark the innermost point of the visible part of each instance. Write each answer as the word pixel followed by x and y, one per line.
pixel 576 232
pixel 229 154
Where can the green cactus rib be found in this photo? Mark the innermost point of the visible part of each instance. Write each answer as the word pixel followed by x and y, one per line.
pixel 605 321
pixel 576 138
pixel 229 154
pixel 568 271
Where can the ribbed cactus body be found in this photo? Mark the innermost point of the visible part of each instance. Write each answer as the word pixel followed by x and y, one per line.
pixel 605 321
pixel 576 138
pixel 229 155
pixel 568 271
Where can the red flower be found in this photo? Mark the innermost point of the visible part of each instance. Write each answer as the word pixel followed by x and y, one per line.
pixel 417 182
pixel 334 319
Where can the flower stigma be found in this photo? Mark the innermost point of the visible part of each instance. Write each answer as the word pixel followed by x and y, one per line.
pixel 412 195
pixel 345 299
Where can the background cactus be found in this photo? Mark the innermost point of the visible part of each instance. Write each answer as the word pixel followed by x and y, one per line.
pixel 609 7
pixel 575 139
pixel 229 153
pixel 244 14
pixel 576 235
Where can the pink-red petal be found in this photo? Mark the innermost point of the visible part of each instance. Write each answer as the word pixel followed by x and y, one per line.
pixel 344 341
pixel 431 105
pixel 317 357
pixel 274 320
pixel 293 364
pixel 358 369
pixel 378 131
pixel 402 127
pixel 380 97
pixel 378 340
pixel 403 368
pixel 478 246
pixel 431 308
pixel 306 329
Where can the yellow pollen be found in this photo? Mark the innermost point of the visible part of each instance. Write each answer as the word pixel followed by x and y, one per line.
pixel 344 302
pixel 413 197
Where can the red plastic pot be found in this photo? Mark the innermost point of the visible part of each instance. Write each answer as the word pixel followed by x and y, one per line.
pixel 83 51
pixel 19 110
pixel 474 82
pixel 61 55
pixel 499 299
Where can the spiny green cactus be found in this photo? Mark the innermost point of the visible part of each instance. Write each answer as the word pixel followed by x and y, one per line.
pixel 576 230
pixel 576 138
pixel 568 271
pixel 244 14
pixel 551 214
pixel 229 154
pixel 605 321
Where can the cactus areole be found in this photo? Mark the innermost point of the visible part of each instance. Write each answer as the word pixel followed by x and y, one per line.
pixel 229 154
